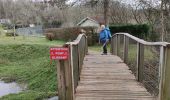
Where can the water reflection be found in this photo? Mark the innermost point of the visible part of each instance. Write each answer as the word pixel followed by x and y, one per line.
pixel 53 98
pixel 9 88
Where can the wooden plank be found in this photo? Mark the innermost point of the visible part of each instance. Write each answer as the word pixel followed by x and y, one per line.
pixel 108 78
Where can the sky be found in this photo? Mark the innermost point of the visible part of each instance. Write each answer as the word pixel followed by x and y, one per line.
pixel 129 2
pixel 124 1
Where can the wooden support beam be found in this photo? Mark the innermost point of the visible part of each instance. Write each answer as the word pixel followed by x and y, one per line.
pixel 68 81
pixel 86 45
pixel 111 45
pixel 65 82
pixel 164 85
pixel 114 45
pixel 140 62
pixel 118 45
pixel 69 70
pixel 75 65
pixel 61 80
pixel 126 48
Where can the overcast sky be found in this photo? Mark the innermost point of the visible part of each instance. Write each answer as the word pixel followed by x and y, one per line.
pixel 132 2
pixel 128 2
pixel 124 1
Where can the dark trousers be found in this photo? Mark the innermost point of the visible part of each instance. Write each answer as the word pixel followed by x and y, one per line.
pixel 105 48
pixel 104 43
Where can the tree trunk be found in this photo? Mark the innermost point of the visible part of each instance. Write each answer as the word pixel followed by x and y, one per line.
pixel 162 21
pixel 106 10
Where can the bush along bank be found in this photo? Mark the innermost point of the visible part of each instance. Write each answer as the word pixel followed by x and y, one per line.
pixel 138 30
pixel 70 34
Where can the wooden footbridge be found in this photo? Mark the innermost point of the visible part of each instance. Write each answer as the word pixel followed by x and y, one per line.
pixel 135 70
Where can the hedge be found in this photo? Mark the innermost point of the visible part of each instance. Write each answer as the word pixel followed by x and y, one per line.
pixel 138 30
pixel 53 24
pixel 70 34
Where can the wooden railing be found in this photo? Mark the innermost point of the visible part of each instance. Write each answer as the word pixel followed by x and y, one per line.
pixel 149 62
pixel 68 71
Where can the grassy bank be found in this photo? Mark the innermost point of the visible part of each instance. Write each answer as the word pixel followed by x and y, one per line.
pixel 27 61
pixel 132 53
pixel 28 40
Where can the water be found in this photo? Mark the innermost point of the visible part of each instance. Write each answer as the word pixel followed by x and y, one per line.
pixel 9 88
pixel 53 98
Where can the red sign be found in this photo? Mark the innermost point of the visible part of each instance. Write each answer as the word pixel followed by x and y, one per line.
pixel 59 53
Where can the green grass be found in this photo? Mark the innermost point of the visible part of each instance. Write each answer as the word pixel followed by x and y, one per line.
pixel 28 40
pixel 27 62
pixel 28 95
pixel 132 53
pixel 148 54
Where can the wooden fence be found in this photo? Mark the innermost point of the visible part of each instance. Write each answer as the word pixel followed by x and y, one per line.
pixel 141 58
pixel 69 70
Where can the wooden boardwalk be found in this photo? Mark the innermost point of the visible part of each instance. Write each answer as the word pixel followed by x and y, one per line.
pixel 106 77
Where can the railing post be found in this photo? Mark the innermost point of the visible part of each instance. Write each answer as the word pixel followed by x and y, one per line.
pixel 140 62
pixel 75 65
pixel 114 45
pixel 86 44
pixel 79 60
pixel 68 71
pixel 164 84
pixel 65 88
pixel 126 45
pixel 118 45
pixel 61 79
pixel 111 46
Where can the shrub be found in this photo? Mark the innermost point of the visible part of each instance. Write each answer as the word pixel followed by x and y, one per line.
pixel 70 34
pixel 50 36
pixel 138 30
pixel 53 24
pixel 7 26
pixel 154 37
pixel 10 33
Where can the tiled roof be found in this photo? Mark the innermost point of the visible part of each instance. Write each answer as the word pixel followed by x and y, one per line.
pixel 98 19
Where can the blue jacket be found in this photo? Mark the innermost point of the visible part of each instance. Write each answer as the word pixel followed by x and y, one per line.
pixel 108 33
pixel 103 35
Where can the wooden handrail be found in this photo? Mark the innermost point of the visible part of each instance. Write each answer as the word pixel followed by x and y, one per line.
pixel 164 60
pixel 69 70
pixel 75 42
pixel 142 41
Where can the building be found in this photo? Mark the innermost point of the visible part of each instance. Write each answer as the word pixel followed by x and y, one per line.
pixel 91 21
pixel 5 21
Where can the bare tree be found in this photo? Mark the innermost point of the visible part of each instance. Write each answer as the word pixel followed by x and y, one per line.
pixel 162 20
pixel 106 11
